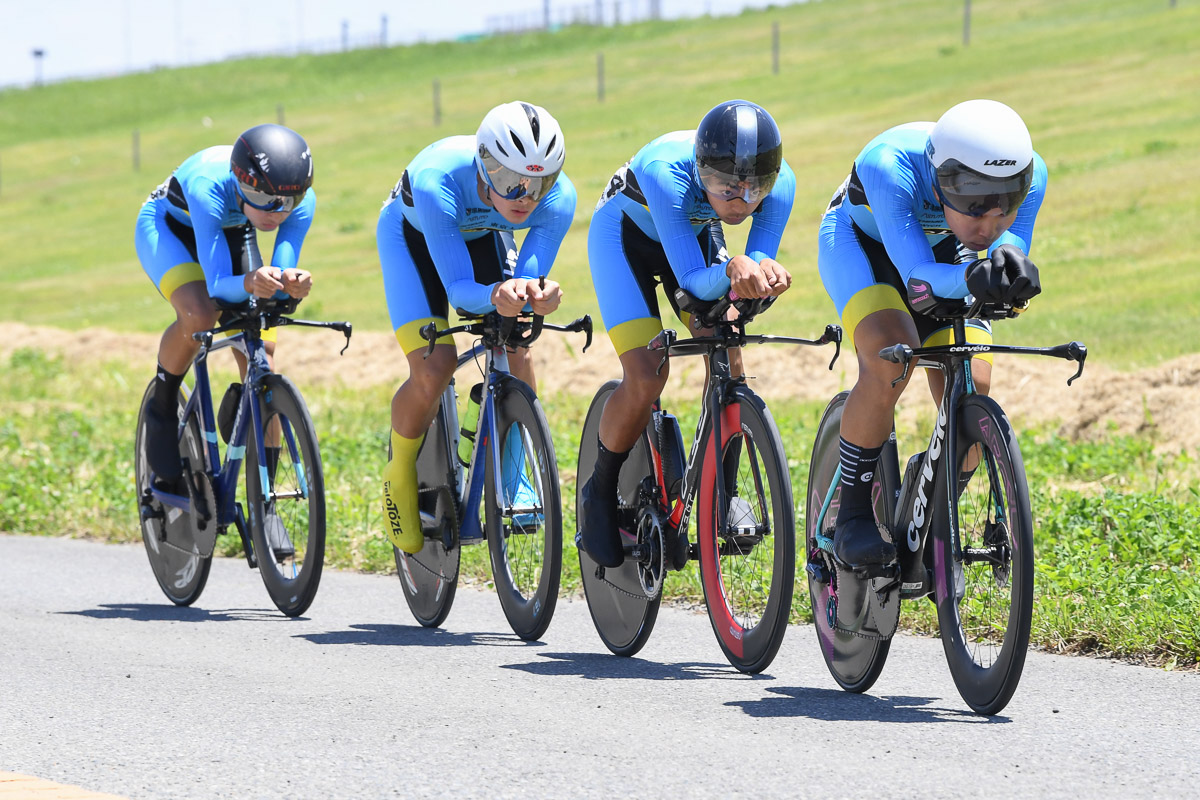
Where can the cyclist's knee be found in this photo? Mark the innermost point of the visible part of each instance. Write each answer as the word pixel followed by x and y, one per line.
pixel 642 378
pixel 195 311
pixel 429 377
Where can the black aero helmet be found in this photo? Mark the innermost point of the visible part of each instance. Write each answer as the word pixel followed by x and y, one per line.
pixel 273 167
pixel 738 151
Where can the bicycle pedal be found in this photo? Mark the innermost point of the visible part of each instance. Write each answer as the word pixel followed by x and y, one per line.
pixel 818 572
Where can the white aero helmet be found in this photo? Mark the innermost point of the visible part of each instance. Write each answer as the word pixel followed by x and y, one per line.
pixel 983 157
pixel 519 150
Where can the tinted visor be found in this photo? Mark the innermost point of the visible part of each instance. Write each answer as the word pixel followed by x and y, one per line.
pixel 974 194
pixel 724 186
pixel 512 185
pixel 266 202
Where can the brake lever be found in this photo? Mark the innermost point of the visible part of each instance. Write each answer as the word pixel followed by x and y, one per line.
pixel 663 341
pixel 429 333
pixel 1076 351
pixel 833 333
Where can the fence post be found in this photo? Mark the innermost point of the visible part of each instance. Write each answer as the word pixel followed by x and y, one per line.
pixel 437 102
pixel 279 113
pixel 137 151
pixel 600 77
pixel 383 31
pixel 775 47
pixel 345 34
pixel 966 22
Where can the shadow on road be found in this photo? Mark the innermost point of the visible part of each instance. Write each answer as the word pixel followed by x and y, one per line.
pixel 414 636
pixel 146 612
pixel 603 666
pixel 835 706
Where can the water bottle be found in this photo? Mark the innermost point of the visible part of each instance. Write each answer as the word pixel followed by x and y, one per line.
pixel 466 441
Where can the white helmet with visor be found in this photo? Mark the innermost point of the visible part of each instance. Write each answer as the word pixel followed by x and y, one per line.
pixel 519 151
pixel 983 158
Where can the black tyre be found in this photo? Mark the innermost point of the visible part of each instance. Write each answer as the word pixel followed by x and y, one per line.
pixel 180 552
pixel 854 661
pixel 429 577
pixel 622 613
pixel 524 522
pixel 748 549
pixel 285 495
pixel 984 581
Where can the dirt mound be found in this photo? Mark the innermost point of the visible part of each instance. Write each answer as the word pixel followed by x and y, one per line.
pixel 1159 401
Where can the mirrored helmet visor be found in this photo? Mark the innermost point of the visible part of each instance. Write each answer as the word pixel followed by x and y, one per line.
pixel 974 194
pixel 512 185
pixel 267 202
pixel 724 186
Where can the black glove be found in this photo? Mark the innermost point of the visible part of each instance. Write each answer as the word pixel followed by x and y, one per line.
pixel 987 281
pixel 1022 275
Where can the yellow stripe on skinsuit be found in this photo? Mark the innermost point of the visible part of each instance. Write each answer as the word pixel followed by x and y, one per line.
pixel 409 334
pixel 876 297
pixel 634 333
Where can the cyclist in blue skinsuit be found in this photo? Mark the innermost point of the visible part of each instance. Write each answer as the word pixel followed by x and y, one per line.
pixel 660 219
pixel 922 201
pixel 445 239
pixel 196 239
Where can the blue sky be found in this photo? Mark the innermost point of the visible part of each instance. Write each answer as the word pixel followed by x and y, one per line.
pixel 93 38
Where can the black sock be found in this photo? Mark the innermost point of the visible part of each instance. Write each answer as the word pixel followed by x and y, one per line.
pixel 608 469
pixel 166 389
pixel 858 473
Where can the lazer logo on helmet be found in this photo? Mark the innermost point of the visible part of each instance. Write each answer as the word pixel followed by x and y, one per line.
pixel 1000 162
pixel 535 168
pixel 921 503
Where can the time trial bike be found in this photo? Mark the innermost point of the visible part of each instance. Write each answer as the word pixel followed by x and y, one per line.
pixel 503 469
pixel 737 473
pixel 265 423
pixel 960 519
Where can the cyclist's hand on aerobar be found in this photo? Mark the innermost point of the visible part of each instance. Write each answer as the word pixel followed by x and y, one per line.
pixel 510 296
pixel 297 282
pixel 1023 280
pixel 1007 277
pixel 264 282
pixel 544 297
pixel 749 278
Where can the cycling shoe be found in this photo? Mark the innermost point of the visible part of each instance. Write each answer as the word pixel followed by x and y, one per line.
pixel 859 544
pixel 599 533
pixel 162 445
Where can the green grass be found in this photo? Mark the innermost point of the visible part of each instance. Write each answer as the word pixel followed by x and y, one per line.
pixel 1107 89
pixel 1116 570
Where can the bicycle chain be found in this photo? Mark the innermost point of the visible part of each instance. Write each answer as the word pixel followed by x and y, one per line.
pixel 626 592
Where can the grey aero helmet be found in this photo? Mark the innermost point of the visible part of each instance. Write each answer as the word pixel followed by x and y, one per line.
pixel 273 167
pixel 519 151
pixel 738 151
pixel 982 156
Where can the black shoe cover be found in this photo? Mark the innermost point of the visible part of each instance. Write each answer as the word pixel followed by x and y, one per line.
pixel 857 543
pixel 598 528
pixel 162 446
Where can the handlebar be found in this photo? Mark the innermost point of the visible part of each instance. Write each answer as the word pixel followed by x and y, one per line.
pixel 496 331
pixel 903 354
pixel 259 314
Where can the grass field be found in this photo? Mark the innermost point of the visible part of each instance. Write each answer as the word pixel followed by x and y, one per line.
pixel 1107 87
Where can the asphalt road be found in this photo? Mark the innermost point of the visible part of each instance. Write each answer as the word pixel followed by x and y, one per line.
pixel 105 685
